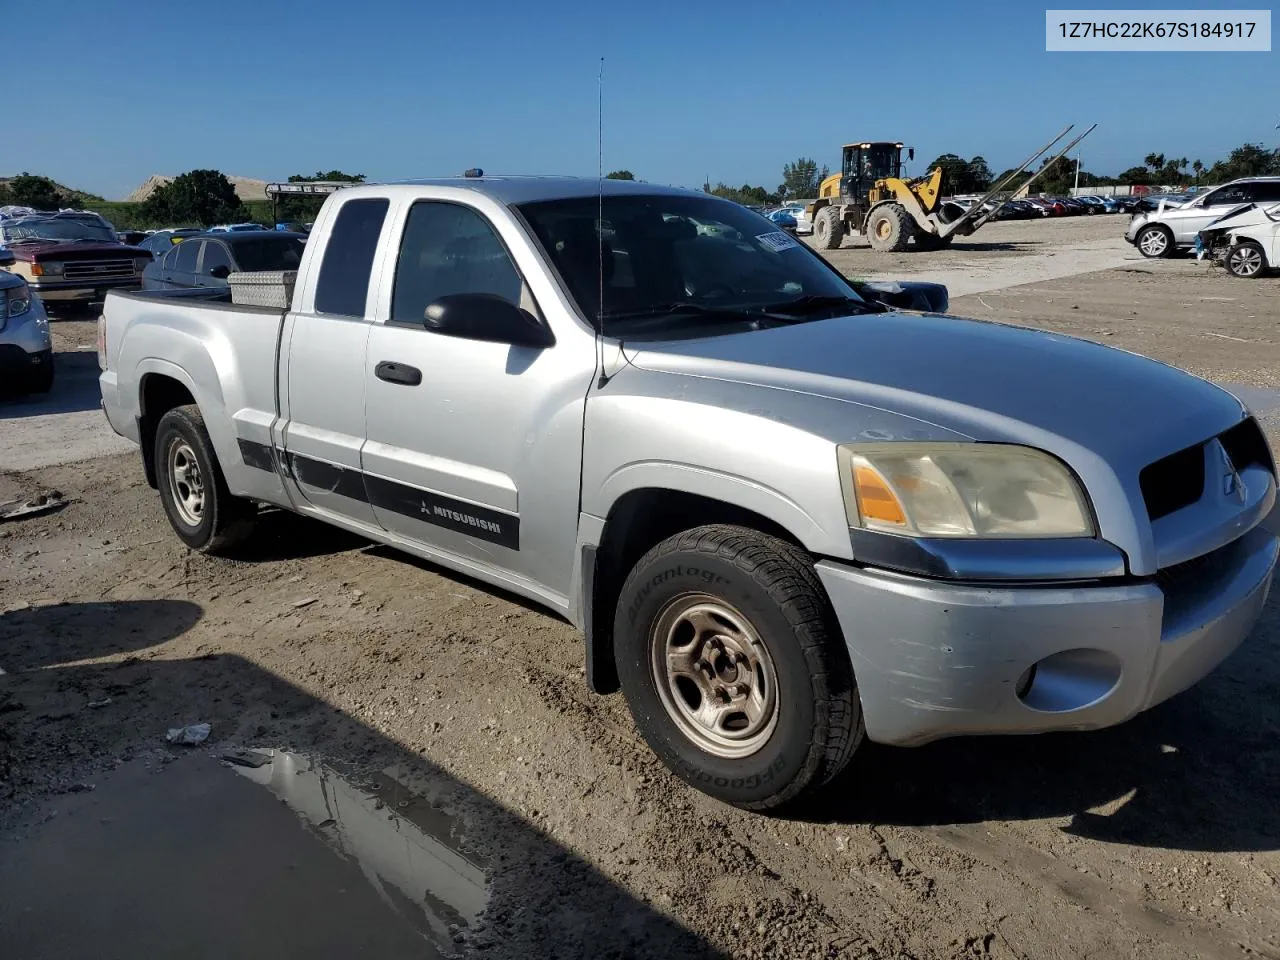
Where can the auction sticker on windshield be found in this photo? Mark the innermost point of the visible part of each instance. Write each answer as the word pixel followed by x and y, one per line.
pixel 777 241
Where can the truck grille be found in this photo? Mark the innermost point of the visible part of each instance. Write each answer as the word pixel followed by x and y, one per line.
pixel 98 270
pixel 1177 481
pixel 1174 482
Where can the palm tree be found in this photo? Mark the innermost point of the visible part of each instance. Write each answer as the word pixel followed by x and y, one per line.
pixel 1154 161
pixel 1198 167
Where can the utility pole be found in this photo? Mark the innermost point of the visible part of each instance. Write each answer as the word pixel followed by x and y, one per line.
pixel 1076 192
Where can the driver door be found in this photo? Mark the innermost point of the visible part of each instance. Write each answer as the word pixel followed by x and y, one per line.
pixel 472 447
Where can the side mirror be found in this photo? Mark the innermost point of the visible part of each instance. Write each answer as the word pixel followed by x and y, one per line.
pixel 486 316
pixel 907 294
pixel 911 153
pixel 220 272
pixel 7 259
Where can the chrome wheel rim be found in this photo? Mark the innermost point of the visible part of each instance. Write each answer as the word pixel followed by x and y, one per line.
pixel 1246 261
pixel 187 483
pixel 714 675
pixel 1154 242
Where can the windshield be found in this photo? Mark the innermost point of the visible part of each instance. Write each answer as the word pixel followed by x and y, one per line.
pixel 57 229
pixel 268 253
pixel 679 261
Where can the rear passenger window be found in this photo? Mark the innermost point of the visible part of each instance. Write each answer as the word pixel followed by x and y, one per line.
pixel 1267 191
pixel 186 259
pixel 448 248
pixel 345 272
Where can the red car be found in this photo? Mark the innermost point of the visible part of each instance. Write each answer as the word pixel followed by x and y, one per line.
pixel 71 256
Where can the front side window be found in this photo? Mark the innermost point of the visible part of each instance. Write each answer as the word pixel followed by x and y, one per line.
pixel 215 255
pixel 343 285
pixel 674 262
pixel 448 248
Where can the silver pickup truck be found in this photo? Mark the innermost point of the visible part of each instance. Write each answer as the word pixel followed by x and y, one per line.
pixel 785 516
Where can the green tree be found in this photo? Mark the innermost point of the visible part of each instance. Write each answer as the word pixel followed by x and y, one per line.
pixel 1136 176
pixel 1198 167
pixel 955 172
pixel 800 179
pixel 979 173
pixel 205 197
pixel 620 175
pixel 4 195
pixel 745 194
pixel 1154 161
pixel 27 190
pixel 1246 160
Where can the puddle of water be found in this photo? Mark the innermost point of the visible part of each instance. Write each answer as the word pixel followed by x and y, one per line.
pixel 407 849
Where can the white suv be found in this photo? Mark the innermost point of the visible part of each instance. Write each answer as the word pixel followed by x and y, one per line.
pixel 1161 232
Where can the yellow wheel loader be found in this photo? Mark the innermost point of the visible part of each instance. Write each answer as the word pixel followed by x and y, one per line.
pixel 870 197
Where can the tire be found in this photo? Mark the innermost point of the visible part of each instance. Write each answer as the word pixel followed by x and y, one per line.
pixel 1246 260
pixel 202 512
pixel 890 228
pixel 760 600
pixel 1154 242
pixel 828 229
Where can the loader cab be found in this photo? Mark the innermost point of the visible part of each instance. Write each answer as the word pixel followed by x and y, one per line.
pixel 865 163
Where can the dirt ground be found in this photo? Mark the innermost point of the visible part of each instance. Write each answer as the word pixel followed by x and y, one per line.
pixel 1160 838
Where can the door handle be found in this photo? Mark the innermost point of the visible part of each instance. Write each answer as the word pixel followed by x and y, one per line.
pixel 393 372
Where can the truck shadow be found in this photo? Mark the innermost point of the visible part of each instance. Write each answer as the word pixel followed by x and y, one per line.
pixel 75 389
pixel 451 863
pixel 1200 772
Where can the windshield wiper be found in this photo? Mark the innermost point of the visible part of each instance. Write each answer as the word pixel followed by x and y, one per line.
pixel 688 306
pixel 820 301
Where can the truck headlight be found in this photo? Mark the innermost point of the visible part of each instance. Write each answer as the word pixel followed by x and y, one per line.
pixel 47 268
pixel 18 301
pixel 976 490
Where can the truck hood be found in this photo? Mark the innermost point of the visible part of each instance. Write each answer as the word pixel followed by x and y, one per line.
pixel 52 250
pixel 988 381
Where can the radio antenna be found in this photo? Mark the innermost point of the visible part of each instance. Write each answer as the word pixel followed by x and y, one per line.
pixel 600 196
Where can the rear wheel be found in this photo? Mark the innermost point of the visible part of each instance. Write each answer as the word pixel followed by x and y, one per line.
pixel 201 510
pixel 828 229
pixel 1154 242
pixel 1246 259
pixel 734 668
pixel 890 228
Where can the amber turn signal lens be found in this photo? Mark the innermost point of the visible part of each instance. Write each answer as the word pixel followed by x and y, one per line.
pixel 37 270
pixel 875 499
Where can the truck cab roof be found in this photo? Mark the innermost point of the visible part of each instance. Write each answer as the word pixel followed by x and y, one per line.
pixel 524 189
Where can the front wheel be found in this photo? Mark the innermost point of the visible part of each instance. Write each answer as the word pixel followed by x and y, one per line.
pixel 890 228
pixel 201 510
pixel 1246 259
pixel 734 668
pixel 1154 242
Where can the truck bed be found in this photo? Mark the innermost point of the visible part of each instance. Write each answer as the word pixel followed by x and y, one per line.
pixel 225 355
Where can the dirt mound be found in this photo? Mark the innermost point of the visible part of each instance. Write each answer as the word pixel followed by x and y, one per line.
pixel 247 188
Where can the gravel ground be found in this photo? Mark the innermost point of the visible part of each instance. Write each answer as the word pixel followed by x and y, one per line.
pixel 1157 839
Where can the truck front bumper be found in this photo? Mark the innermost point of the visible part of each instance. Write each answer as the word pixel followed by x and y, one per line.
pixel 81 290
pixel 936 659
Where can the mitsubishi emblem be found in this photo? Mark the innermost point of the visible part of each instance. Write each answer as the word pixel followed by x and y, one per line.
pixel 1232 485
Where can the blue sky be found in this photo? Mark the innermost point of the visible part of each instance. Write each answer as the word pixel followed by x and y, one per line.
pixel 704 88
